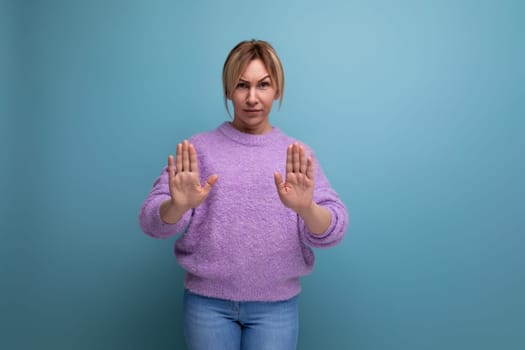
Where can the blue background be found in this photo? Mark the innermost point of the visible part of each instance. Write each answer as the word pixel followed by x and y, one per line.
pixel 415 110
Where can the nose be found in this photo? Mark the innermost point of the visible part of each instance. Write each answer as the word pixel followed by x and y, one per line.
pixel 252 97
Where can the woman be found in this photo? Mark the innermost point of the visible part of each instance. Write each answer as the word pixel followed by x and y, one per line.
pixel 249 201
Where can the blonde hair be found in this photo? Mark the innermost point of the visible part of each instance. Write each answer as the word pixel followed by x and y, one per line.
pixel 239 57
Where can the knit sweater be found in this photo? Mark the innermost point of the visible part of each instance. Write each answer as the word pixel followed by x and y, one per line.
pixel 242 243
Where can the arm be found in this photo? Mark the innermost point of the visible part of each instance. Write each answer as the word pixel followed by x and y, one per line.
pixel 322 216
pixel 328 199
pixel 317 218
pixel 166 210
pixel 149 217
pixel 184 184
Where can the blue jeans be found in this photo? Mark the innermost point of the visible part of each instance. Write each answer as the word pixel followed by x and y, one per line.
pixel 216 324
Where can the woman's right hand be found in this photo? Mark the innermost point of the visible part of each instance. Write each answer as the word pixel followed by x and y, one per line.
pixel 184 183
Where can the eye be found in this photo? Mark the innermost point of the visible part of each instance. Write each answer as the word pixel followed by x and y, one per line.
pixel 264 84
pixel 242 85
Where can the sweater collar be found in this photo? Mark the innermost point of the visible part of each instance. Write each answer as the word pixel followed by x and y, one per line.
pixel 248 139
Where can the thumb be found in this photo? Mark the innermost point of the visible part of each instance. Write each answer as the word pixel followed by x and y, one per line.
pixel 210 182
pixel 278 180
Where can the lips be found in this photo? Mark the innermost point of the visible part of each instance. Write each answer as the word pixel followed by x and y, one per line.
pixel 252 110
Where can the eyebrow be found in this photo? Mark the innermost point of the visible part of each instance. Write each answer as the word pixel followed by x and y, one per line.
pixel 260 80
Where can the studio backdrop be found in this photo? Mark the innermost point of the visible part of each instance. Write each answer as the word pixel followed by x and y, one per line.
pixel 415 110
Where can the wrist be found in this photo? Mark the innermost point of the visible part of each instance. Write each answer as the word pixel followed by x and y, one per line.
pixel 170 213
pixel 317 218
pixel 307 211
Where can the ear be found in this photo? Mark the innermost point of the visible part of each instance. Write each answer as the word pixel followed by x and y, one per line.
pixel 277 96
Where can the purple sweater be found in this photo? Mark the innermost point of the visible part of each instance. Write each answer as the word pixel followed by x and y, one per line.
pixel 242 243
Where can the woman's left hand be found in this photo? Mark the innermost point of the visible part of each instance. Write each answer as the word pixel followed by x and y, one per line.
pixel 297 191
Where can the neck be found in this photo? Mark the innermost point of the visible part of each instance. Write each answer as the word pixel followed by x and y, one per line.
pixel 254 130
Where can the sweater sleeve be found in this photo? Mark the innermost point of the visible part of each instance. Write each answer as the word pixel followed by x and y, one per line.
pixel 326 197
pixel 149 216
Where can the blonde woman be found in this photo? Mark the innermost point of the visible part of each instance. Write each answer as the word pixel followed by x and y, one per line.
pixel 249 203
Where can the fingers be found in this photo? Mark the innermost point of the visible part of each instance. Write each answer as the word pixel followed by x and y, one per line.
pixel 289 161
pixel 310 168
pixel 178 158
pixel 185 156
pixel 302 160
pixel 296 160
pixel 194 164
pixel 171 167
pixel 210 182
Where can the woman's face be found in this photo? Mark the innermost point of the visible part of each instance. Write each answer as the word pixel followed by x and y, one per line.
pixel 253 98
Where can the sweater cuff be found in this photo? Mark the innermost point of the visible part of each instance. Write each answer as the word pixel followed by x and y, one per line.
pixel 160 229
pixel 326 239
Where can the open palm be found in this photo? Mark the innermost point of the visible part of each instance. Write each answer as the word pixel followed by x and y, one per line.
pixel 184 182
pixel 297 191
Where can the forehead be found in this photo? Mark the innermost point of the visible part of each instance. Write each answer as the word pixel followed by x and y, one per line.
pixel 255 69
